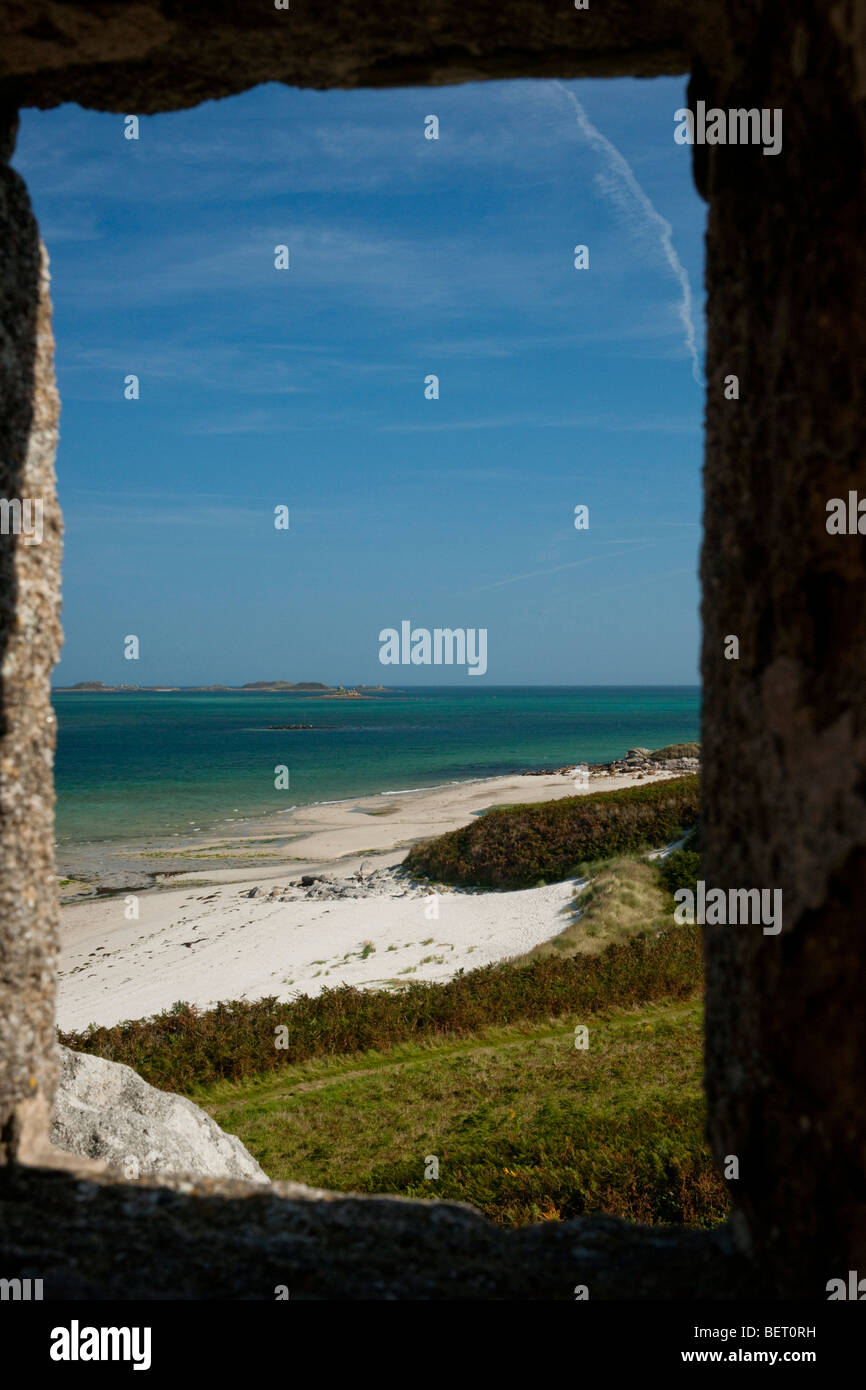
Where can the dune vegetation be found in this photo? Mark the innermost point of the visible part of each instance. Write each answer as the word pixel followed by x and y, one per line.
pixel 623 898
pixel 522 846
pixel 675 750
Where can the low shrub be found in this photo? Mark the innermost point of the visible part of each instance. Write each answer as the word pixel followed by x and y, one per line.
pixel 676 750
pixel 521 846
pixel 682 868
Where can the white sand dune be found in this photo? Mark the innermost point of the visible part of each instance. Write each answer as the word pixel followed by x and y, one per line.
pixel 234 948
pixel 204 944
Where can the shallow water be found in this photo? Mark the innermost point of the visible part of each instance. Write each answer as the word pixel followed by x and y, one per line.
pixel 133 767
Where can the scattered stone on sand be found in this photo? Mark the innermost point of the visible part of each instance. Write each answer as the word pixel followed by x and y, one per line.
pixel 375 883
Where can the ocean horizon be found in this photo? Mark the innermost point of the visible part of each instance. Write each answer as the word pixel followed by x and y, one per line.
pixel 169 763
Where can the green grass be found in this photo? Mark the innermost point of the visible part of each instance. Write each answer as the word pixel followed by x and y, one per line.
pixel 520 846
pixel 524 1125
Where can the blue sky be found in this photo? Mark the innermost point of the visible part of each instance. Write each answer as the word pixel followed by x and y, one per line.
pixel 305 387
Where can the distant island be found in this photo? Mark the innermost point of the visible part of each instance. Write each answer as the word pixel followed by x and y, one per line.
pixel 325 692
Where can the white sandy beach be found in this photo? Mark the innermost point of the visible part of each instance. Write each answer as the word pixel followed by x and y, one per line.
pixel 204 939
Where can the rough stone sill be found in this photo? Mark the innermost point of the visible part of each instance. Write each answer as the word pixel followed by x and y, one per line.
pixel 92 1237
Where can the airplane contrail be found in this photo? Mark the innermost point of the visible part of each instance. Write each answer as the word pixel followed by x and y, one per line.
pixel 570 565
pixel 621 167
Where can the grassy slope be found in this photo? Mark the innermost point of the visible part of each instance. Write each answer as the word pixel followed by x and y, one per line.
pixel 623 898
pixel 525 1126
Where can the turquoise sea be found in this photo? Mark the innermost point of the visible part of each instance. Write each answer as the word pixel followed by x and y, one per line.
pixel 131 766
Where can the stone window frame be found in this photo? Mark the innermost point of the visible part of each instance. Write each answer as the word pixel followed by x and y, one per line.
pixel 783 727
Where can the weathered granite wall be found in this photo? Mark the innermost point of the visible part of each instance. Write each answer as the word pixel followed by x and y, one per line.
pixel 210 1238
pixel 29 647
pixel 784 737
pixel 160 55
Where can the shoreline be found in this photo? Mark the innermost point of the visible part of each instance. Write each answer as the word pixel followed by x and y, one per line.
pixel 217 922
pixel 127 851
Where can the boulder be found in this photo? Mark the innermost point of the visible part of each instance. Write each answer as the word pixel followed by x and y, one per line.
pixel 105 1110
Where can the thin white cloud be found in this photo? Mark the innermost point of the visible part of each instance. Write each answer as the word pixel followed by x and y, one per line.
pixel 619 167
